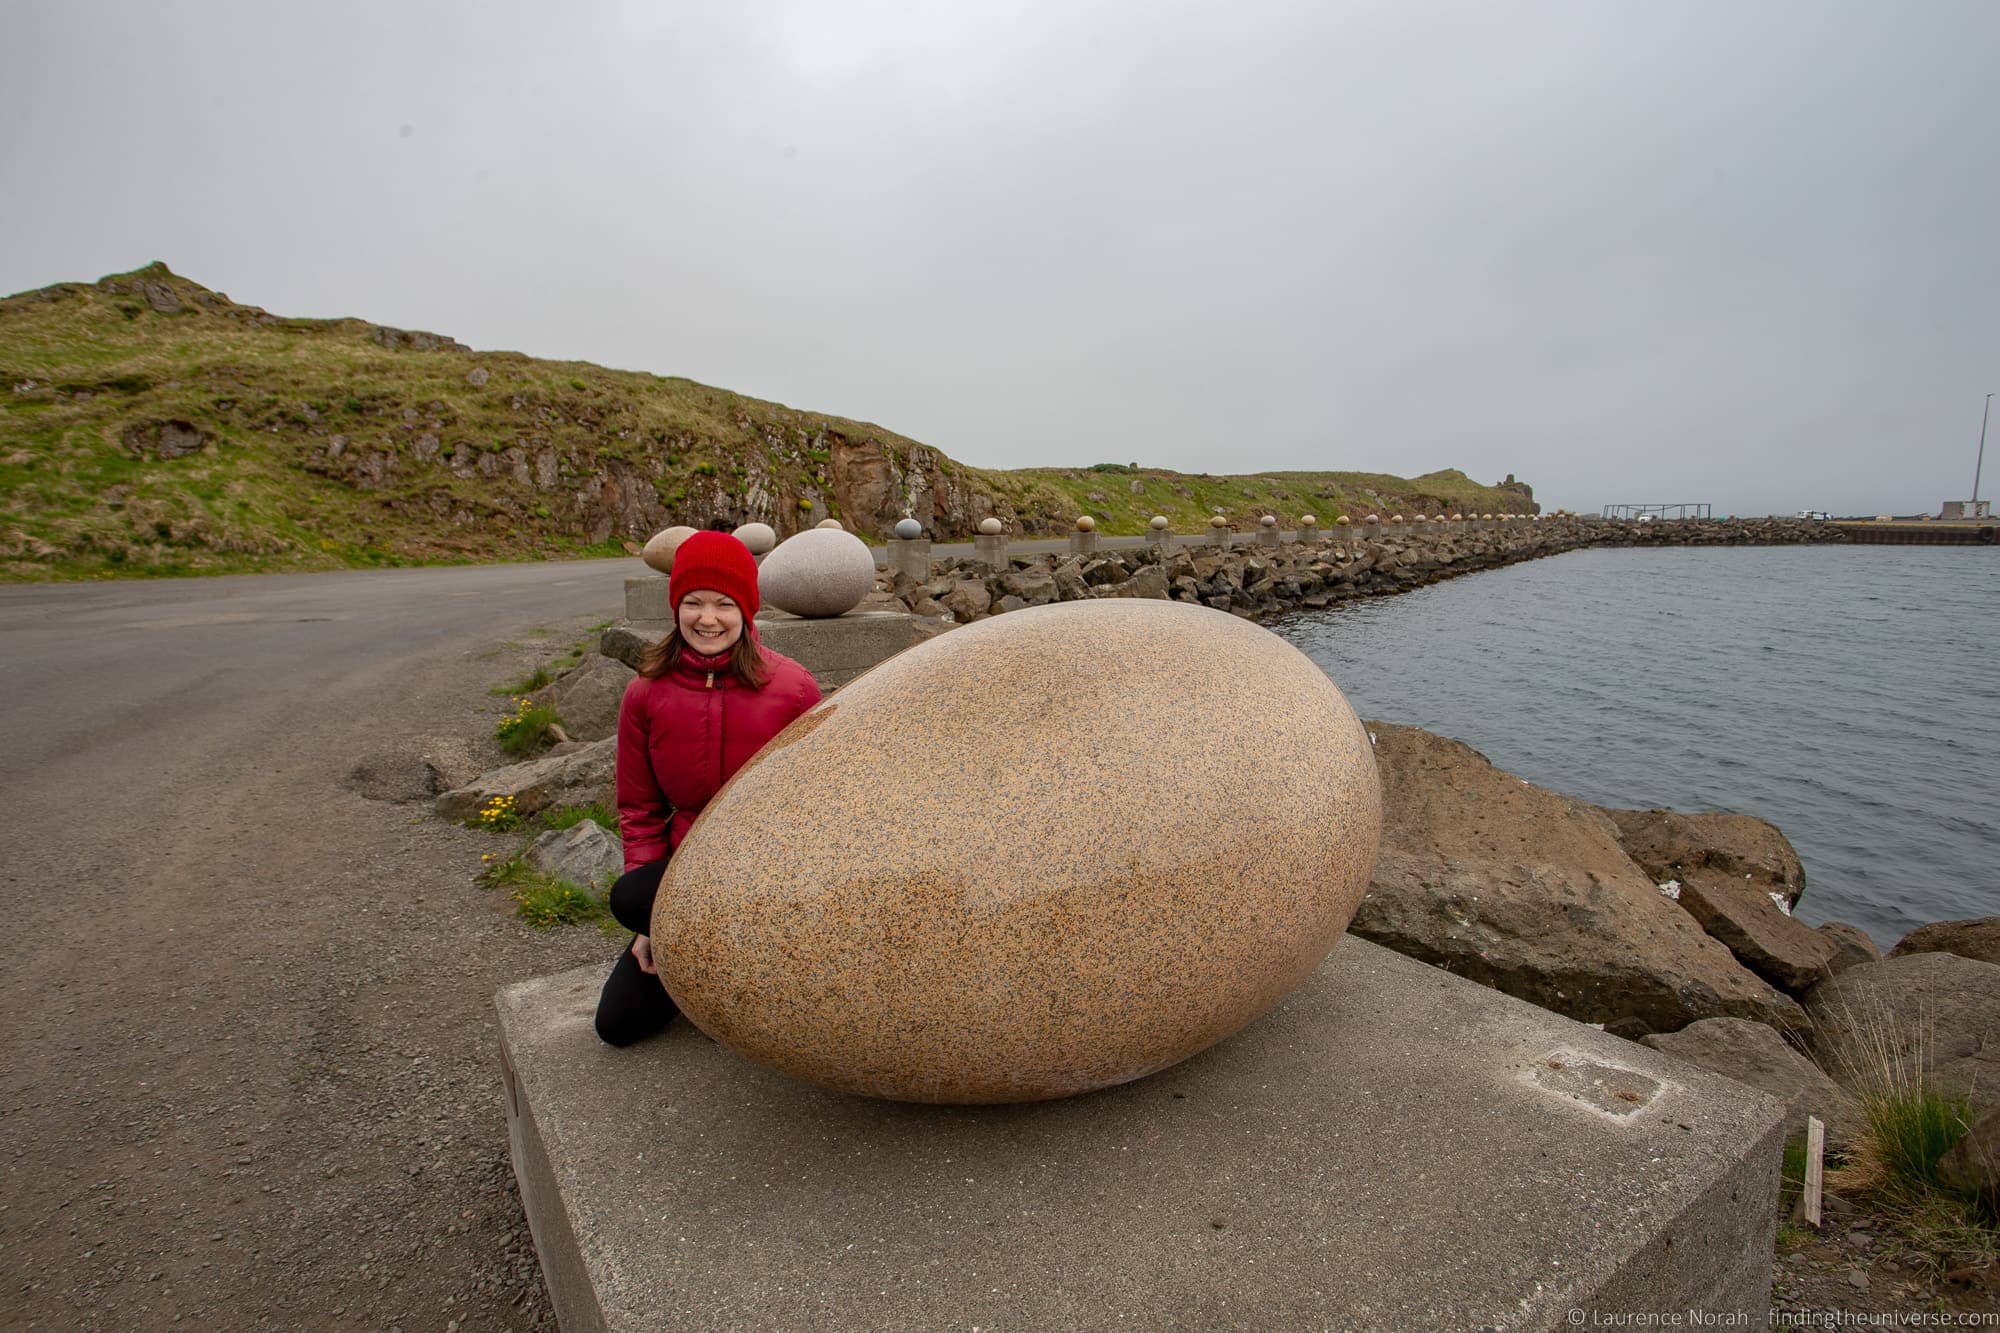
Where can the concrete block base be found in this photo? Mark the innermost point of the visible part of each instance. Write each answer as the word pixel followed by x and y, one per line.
pixel 990 549
pixel 1083 543
pixel 646 599
pixel 839 648
pixel 1393 1147
pixel 910 556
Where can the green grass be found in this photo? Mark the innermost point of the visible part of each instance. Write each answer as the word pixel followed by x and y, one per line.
pixel 527 684
pixel 84 370
pixel 543 901
pixel 525 731
pixel 1911 1130
pixel 569 816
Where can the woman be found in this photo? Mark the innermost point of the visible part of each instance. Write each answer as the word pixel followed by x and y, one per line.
pixel 707 697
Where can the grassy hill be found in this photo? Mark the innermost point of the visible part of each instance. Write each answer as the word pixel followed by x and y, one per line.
pixel 151 426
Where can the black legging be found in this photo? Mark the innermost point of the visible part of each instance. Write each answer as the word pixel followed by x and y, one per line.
pixel 634 1003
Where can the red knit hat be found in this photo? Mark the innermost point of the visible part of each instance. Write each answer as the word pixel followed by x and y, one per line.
pixel 717 562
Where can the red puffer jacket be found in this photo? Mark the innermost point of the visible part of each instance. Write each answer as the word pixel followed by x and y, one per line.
pixel 682 734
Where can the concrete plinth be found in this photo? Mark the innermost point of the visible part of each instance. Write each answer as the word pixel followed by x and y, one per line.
pixel 990 549
pixel 1219 537
pixel 835 649
pixel 1083 543
pixel 646 599
pixel 1393 1147
pixel 912 557
pixel 1161 541
pixel 1269 537
pixel 1309 534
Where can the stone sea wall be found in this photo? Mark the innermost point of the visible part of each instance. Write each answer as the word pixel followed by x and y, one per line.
pixel 1256 580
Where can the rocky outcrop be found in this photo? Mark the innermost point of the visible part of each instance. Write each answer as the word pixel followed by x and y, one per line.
pixel 586 697
pixel 1934 1011
pixel 579 775
pixel 1530 892
pixel 1973 937
pixel 1755 1054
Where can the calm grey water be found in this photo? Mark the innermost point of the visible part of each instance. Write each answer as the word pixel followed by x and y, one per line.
pixel 1850 695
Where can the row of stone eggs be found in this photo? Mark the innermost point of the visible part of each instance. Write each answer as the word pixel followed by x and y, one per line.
pixel 818 573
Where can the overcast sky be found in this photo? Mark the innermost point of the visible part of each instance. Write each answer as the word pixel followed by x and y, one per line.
pixel 1739 252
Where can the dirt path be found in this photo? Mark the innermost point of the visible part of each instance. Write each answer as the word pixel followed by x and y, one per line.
pixel 248 1072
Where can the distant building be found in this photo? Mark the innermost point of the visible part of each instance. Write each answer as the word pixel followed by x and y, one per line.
pixel 1967 509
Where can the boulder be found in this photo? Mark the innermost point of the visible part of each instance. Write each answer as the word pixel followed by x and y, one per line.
pixel 968 598
pixel 1771 942
pixel 1851 945
pixel 1755 1054
pixel 1974 937
pixel 1529 892
pixel 586 697
pixel 819 573
pixel 1672 845
pixel 1148 582
pixel 1035 586
pixel 831 917
pixel 581 776
pixel 1937 1010
pixel 1972 1165
pixel 586 853
pixel 1068 578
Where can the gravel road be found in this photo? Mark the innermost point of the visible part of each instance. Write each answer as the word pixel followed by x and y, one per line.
pixel 249 1074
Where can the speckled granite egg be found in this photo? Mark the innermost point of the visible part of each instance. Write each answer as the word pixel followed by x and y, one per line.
pixel 1044 853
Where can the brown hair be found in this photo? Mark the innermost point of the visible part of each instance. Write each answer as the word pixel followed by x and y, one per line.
pixel 746 659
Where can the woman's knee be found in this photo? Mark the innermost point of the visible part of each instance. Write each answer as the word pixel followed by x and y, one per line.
pixel 632 896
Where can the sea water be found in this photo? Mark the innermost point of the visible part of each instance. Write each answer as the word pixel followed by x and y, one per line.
pixel 1850 695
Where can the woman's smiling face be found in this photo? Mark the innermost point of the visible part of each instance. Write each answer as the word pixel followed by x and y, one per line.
pixel 710 622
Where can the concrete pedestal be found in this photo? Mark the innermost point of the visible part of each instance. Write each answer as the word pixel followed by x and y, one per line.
pixel 1083 543
pixel 835 649
pixel 1309 534
pixel 912 557
pixel 646 599
pixel 1393 1147
pixel 1161 541
pixel 1219 537
pixel 1269 537
pixel 990 549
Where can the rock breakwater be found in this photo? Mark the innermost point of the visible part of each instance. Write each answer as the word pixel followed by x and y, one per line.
pixel 1253 579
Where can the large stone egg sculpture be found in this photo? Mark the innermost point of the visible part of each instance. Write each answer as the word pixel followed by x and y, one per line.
pixel 1044 853
pixel 819 572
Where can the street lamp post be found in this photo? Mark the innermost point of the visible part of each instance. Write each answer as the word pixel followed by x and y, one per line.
pixel 1984 413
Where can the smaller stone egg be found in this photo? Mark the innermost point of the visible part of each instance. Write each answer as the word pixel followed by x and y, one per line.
pixel 1159 523
pixel 659 552
pixel 759 537
pixel 990 526
pixel 1085 523
pixel 1268 521
pixel 909 529
pixel 817 573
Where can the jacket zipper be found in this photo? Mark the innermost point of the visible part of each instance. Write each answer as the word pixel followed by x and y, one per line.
pixel 711 680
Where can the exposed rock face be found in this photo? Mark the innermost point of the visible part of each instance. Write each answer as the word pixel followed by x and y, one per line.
pixel 585 853
pixel 1775 945
pixel 841 916
pixel 586 697
pixel 1530 892
pixel 1934 1004
pixel 165 439
pixel 577 776
pixel 1974 937
pixel 1754 1053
